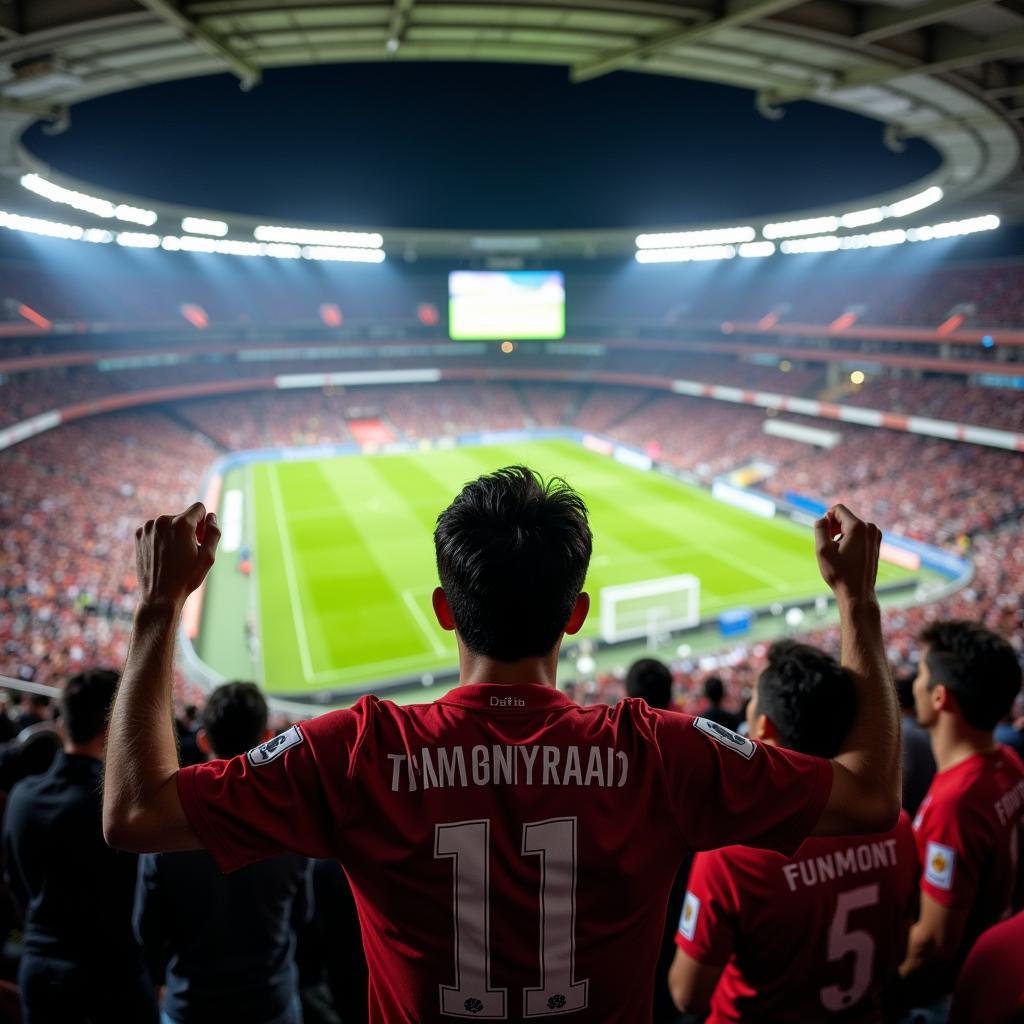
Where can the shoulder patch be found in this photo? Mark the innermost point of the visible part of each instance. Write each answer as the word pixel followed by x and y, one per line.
pixel 273 748
pixel 688 918
pixel 726 737
pixel 939 863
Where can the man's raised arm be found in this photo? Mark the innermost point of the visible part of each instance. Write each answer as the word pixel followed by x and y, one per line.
pixel 141 809
pixel 866 773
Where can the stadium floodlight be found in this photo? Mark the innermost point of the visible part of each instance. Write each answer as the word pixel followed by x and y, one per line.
pixel 756 249
pixel 137 240
pixel 686 255
pixel 874 240
pixel 86 203
pixel 795 228
pixel 861 218
pixel 684 239
pixel 282 251
pixel 202 226
pixel 342 254
pixel 38 226
pixel 914 203
pixel 100 235
pixel 69 197
pixel 651 608
pixel 318 237
pixel 135 215
pixel 225 246
pixel 954 228
pixel 821 243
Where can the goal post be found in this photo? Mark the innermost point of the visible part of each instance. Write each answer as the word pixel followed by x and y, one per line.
pixel 650 607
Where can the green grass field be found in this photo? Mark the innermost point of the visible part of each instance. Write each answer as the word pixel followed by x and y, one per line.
pixel 344 561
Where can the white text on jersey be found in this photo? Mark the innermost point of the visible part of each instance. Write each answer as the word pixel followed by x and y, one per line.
pixel 829 866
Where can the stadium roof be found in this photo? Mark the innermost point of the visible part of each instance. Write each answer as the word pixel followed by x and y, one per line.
pixel 948 71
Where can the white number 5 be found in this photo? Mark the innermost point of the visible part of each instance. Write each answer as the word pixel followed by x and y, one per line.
pixel 467 844
pixel 857 942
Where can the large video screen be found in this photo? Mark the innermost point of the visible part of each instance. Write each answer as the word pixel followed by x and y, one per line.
pixel 506 305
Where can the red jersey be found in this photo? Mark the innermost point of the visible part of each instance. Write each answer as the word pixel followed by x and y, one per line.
pixel 968 834
pixel 802 938
pixel 990 986
pixel 510 852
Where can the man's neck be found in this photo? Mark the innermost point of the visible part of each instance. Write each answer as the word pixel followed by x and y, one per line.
pixel 953 741
pixel 475 668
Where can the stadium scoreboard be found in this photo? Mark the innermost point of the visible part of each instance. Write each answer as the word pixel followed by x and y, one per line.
pixel 517 305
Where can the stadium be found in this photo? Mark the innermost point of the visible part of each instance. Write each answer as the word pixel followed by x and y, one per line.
pixel 318 266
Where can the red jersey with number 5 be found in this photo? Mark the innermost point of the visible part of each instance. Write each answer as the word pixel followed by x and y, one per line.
pixel 511 853
pixel 816 935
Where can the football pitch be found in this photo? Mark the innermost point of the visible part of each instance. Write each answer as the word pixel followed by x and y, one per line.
pixel 343 559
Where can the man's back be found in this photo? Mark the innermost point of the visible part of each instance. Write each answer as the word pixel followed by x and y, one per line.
pixel 967 833
pixel 802 938
pixel 510 852
pixel 76 892
pixel 228 942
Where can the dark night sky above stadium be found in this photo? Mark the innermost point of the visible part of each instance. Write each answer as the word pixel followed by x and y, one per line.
pixel 474 145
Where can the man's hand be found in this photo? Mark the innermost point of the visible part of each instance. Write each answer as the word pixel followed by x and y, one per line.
pixel 173 554
pixel 847 550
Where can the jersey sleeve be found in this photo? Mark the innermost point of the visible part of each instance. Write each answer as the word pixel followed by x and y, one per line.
pixel 951 845
pixel 707 924
pixel 725 789
pixel 288 795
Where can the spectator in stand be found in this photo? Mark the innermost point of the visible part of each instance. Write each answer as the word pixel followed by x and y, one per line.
pixel 766 937
pixel 967 828
pixel 650 680
pixel 714 694
pixel 1008 732
pixel 187 728
pixel 35 708
pixel 225 945
pixel 990 989
pixel 80 961
pixel 918 760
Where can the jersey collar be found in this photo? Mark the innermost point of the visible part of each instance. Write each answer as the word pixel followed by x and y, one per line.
pixel 506 697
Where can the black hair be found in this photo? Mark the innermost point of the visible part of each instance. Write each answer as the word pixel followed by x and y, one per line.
pixel 809 698
pixel 905 691
pixel 651 680
pixel 978 666
pixel 235 718
pixel 86 703
pixel 714 690
pixel 512 554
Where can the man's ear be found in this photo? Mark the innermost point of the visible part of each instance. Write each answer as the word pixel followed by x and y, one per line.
pixel 579 614
pixel 943 699
pixel 441 609
pixel 203 743
pixel 764 730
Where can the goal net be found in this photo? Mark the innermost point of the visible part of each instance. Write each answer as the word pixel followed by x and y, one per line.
pixel 650 608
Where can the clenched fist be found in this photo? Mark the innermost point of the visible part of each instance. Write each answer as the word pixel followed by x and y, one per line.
pixel 847 550
pixel 173 554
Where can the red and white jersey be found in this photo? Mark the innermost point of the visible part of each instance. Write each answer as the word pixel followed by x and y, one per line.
pixel 968 836
pixel 802 938
pixel 510 852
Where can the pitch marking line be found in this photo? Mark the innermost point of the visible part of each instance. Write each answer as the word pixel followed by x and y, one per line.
pixel 421 621
pixel 289 571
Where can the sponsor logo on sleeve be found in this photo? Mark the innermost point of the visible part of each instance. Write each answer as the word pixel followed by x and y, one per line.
pixel 726 737
pixel 939 864
pixel 274 748
pixel 688 918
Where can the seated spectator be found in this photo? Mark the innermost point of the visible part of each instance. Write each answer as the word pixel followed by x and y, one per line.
pixel 651 681
pixel 35 708
pixel 918 761
pixel 1009 733
pixel 714 693
pixel 224 946
pixel 991 984
pixel 768 937
pixel 967 827
pixel 80 961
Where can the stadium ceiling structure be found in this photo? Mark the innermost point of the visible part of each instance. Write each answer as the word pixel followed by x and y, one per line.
pixel 947 71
